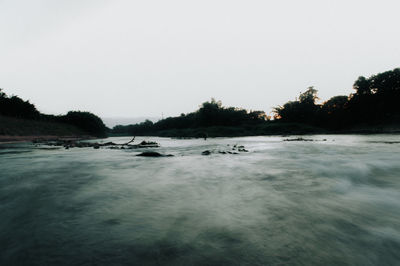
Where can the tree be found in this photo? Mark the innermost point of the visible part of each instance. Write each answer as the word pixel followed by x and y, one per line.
pixel 362 86
pixel 376 98
pixel 309 96
pixel 86 121
pixel 335 104
pixel 16 107
pixel 304 110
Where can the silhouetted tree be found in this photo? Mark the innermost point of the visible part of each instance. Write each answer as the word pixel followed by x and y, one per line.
pixel 377 98
pixel 303 110
pixel 16 107
pixel 362 86
pixel 333 113
pixel 86 121
pixel 209 114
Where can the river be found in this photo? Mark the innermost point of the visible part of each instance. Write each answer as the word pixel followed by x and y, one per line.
pixel 331 201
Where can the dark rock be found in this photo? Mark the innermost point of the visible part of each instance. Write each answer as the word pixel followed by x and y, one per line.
pixel 153 154
pixel 298 139
pixel 148 143
pixel 109 144
pixel 207 152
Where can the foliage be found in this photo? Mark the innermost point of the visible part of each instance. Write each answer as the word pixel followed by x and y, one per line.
pixel 375 101
pixel 86 121
pixel 16 107
pixel 210 114
pixel 302 110
pixel 376 98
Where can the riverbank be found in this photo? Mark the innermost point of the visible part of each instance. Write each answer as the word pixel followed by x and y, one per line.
pixel 12 126
pixel 5 139
pixel 267 129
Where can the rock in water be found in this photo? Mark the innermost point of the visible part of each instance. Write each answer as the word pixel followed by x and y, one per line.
pixel 153 154
pixel 206 152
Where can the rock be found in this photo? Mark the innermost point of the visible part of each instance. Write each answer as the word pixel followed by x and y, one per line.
pixel 96 146
pixel 153 154
pixel 148 143
pixel 298 139
pixel 109 144
pixel 207 152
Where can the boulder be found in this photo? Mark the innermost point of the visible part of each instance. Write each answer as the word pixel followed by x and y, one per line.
pixel 153 154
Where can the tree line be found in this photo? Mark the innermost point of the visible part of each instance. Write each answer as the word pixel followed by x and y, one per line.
pixel 375 101
pixel 210 114
pixel 13 106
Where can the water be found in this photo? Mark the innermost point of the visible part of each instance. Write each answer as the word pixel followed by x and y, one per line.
pixel 333 202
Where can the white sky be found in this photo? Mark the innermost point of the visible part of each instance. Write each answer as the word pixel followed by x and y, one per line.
pixel 144 58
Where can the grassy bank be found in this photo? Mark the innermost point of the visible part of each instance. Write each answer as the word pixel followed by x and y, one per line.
pixel 270 128
pixel 267 129
pixel 10 126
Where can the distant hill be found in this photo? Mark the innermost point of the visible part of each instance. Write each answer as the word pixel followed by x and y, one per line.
pixel 21 118
pixel 114 121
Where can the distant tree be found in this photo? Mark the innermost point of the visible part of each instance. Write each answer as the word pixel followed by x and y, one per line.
pixel 86 121
pixel 209 114
pixel 259 116
pixel 335 104
pixel 333 113
pixel 376 99
pixel 362 86
pixel 303 110
pixel 386 83
pixel 309 96
pixel 16 107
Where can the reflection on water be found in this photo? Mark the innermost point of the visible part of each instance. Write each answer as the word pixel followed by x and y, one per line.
pixel 333 202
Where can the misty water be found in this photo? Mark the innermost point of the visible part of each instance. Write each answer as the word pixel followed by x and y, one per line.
pixel 333 202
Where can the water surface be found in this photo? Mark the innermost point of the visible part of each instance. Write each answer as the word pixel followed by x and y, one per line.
pixel 333 202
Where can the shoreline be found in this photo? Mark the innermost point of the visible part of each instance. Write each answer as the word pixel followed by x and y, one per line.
pixel 8 139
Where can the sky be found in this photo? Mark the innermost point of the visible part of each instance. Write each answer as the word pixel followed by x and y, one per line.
pixel 163 58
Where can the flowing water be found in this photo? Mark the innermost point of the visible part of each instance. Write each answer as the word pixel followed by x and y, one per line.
pixel 333 202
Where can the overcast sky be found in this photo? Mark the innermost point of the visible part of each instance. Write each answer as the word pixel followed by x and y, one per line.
pixel 143 58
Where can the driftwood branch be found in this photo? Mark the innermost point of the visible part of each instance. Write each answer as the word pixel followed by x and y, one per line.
pixel 132 140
